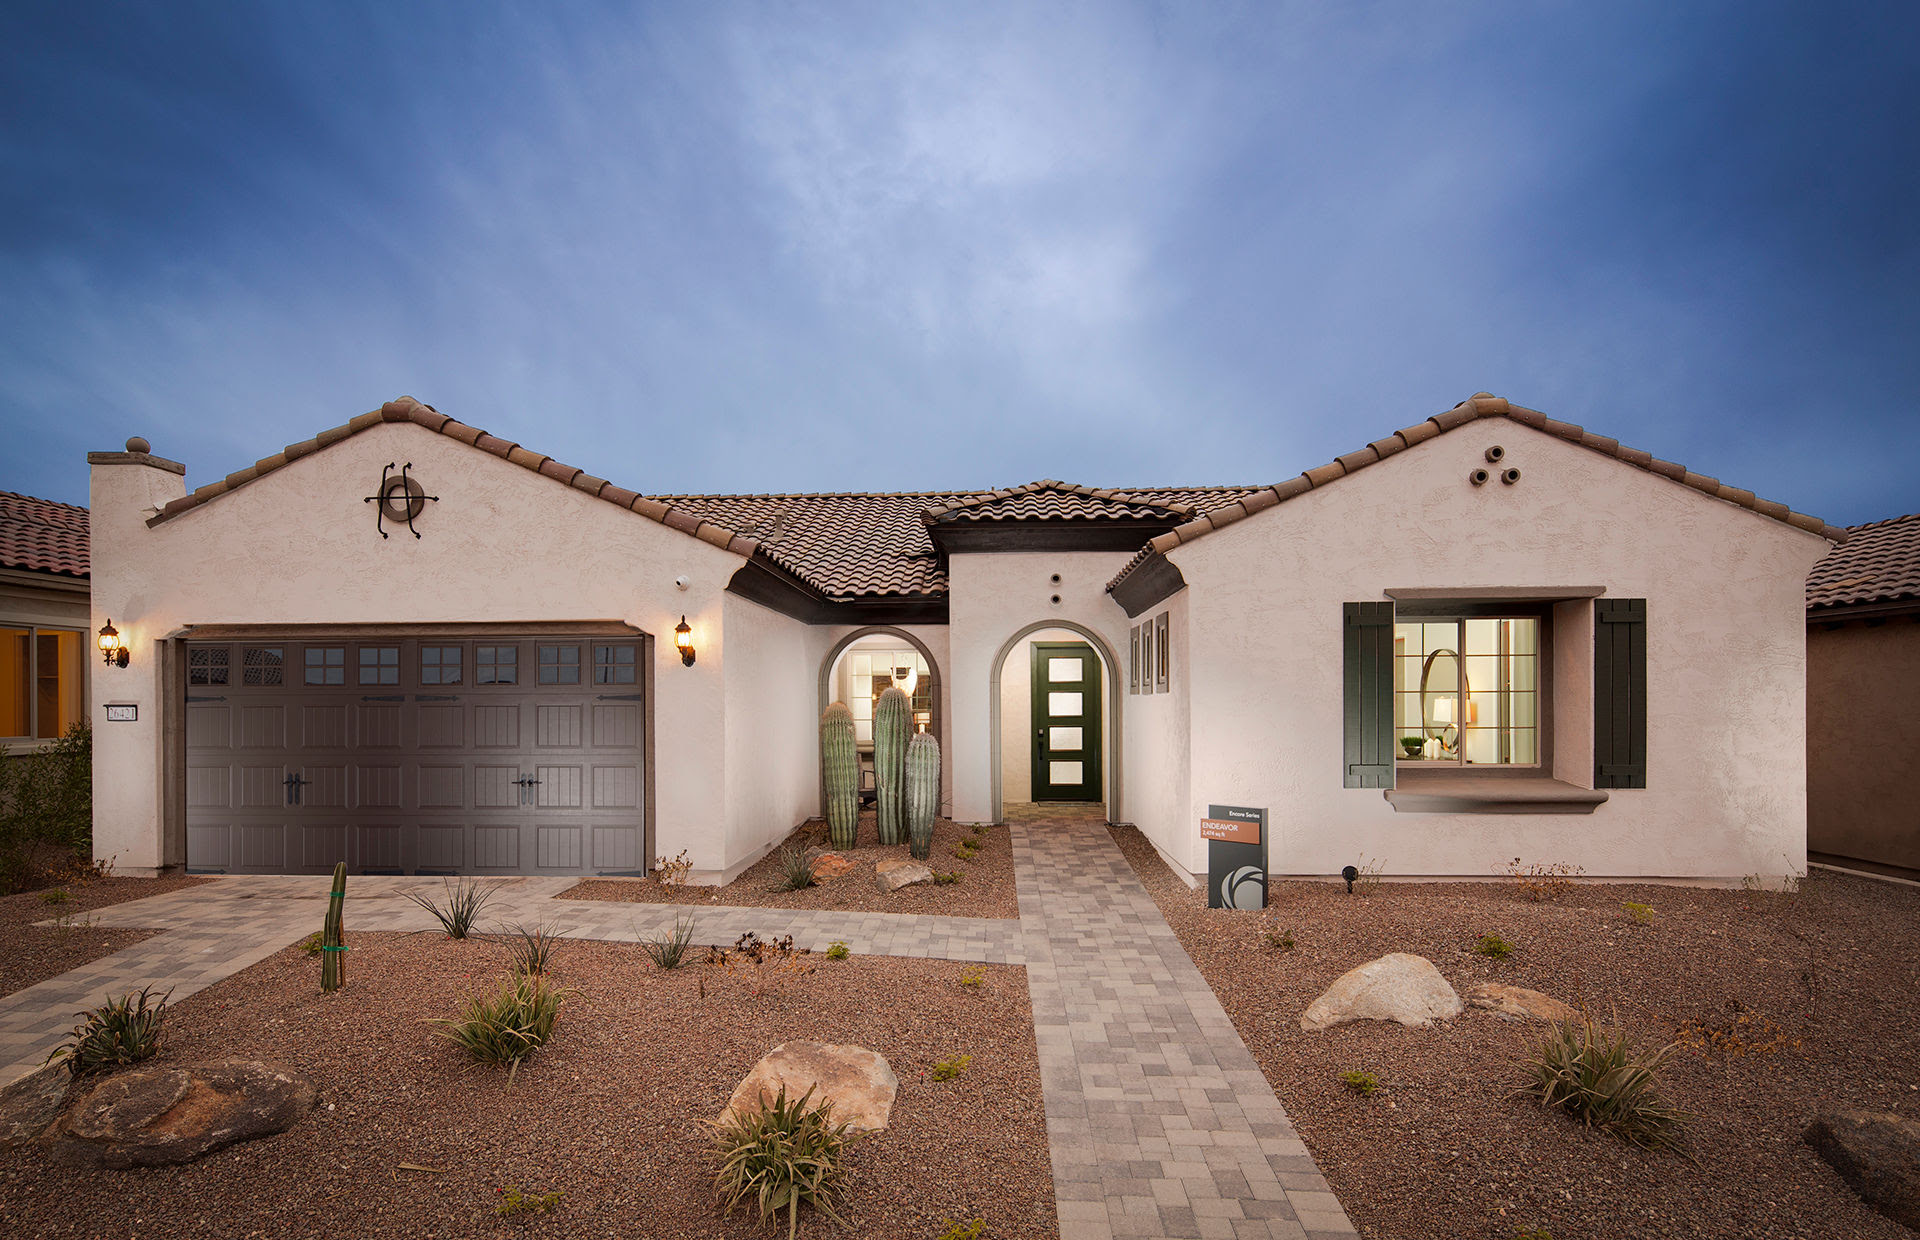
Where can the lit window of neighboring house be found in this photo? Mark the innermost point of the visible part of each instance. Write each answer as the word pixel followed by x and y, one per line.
pixel 41 682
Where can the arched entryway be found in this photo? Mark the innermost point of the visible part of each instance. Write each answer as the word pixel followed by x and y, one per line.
pixel 842 678
pixel 1113 692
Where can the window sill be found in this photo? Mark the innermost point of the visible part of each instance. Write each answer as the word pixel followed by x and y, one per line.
pixel 1434 793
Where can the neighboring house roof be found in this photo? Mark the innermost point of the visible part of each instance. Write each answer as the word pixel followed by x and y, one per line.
pixel 407 409
pixel 1480 405
pixel 1878 563
pixel 43 536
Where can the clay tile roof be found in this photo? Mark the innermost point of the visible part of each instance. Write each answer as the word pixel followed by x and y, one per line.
pixel 1479 405
pixel 1051 500
pixel 407 409
pixel 1879 563
pixel 42 536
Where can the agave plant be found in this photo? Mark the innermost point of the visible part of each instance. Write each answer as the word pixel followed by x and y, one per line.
pixel 669 951
pixel 460 911
pixel 534 947
pixel 1596 1076
pixel 119 1031
pixel 795 867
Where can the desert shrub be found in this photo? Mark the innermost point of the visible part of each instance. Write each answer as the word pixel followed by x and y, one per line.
pixel 1278 940
pixel 1528 1231
pixel 120 1031
pixel 972 977
pixel 1741 1031
pixel 46 812
pixel 516 1200
pixel 787 1154
pixel 459 912
pixel 669 950
pixel 947 1069
pixel 56 895
pixel 1642 914
pixel 761 962
pixel 838 950
pixel 1367 880
pixel 313 944
pixel 1599 1078
pixel 1493 945
pixel 945 880
pixel 794 870
pixel 972 1229
pixel 673 873
pixel 1543 880
pixel 964 852
pixel 1362 1083
pixel 534 947
pixel 508 1025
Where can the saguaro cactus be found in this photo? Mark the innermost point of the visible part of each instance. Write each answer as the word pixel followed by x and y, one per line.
pixel 333 949
pixel 840 769
pixel 892 723
pixel 923 793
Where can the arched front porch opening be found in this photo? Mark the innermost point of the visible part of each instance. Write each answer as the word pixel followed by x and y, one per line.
pixel 1003 673
pixel 863 664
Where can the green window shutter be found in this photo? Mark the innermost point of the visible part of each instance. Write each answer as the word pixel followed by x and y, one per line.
pixel 1620 693
pixel 1368 675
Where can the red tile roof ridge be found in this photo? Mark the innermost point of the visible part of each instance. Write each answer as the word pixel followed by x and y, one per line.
pixel 1105 495
pixel 407 409
pixel 1878 564
pixel 1480 405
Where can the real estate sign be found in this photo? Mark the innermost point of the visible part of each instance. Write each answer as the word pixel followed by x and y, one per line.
pixel 1236 838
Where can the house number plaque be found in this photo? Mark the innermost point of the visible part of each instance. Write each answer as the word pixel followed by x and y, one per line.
pixel 123 714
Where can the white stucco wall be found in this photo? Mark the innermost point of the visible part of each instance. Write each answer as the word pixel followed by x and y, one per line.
pixel 1159 746
pixel 994 595
pixel 771 776
pixel 1726 777
pixel 502 545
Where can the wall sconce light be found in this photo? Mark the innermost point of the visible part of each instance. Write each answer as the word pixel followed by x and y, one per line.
pixel 683 639
pixel 907 678
pixel 111 650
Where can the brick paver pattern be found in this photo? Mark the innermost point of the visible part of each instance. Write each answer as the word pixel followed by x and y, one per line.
pixel 1160 1123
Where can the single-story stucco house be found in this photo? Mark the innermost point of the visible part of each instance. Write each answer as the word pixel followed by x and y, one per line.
pixel 1863 700
pixel 424 649
pixel 45 636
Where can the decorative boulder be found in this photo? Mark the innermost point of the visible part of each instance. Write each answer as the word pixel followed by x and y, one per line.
pixel 155 1117
pixel 1878 1154
pixel 831 865
pixel 893 875
pixel 1397 987
pixel 1517 1001
pixel 856 1081
pixel 32 1103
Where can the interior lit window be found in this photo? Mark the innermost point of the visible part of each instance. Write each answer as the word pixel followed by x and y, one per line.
pixel 40 683
pixel 1466 690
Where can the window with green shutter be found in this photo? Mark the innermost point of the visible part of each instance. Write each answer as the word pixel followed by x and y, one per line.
pixel 1620 693
pixel 1367 669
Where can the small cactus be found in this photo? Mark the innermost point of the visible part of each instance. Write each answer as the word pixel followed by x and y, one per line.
pixel 923 793
pixel 840 767
pixel 892 723
pixel 333 948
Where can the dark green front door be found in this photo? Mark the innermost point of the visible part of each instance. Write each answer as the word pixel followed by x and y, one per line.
pixel 1066 722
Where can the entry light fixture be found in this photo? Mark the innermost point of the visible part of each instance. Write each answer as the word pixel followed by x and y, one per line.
pixel 683 639
pixel 907 677
pixel 111 650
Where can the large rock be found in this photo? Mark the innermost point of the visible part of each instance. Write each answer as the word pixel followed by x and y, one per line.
pixel 1397 987
pixel 155 1117
pixel 856 1081
pixel 32 1103
pixel 1878 1154
pixel 831 865
pixel 1519 1001
pixel 893 875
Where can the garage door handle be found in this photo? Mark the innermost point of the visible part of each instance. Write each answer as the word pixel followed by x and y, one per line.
pixel 526 788
pixel 294 784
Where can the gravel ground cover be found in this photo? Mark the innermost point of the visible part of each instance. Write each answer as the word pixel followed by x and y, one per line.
pixel 30 953
pixel 1786 1002
pixel 607 1113
pixel 985 889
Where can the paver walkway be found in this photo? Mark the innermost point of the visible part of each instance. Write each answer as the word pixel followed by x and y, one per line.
pixel 1159 1121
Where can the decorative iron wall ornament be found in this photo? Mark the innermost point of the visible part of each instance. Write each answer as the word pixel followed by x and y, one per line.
pixel 401 498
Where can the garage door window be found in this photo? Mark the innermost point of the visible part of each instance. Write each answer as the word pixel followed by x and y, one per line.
pixel 439 665
pixel 559 665
pixel 613 665
pixel 261 665
pixel 496 665
pixel 379 665
pixel 326 665
pixel 207 667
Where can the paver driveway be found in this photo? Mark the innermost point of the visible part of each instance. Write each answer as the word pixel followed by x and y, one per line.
pixel 1160 1123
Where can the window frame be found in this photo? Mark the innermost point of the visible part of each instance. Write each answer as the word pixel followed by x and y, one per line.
pixel 31 739
pixel 1441 611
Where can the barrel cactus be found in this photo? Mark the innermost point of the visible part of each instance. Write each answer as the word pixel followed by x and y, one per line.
pixel 923 793
pixel 892 724
pixel 840 770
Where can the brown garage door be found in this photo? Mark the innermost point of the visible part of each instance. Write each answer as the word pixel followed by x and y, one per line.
pixel 424 755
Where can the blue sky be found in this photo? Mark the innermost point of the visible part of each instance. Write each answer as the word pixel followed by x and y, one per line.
pixel 711 247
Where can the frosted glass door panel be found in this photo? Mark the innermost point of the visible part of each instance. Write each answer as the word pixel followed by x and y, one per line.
pixel 1064 739
pixel 1064 772
pixel 1065 669
pixel 1063 703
